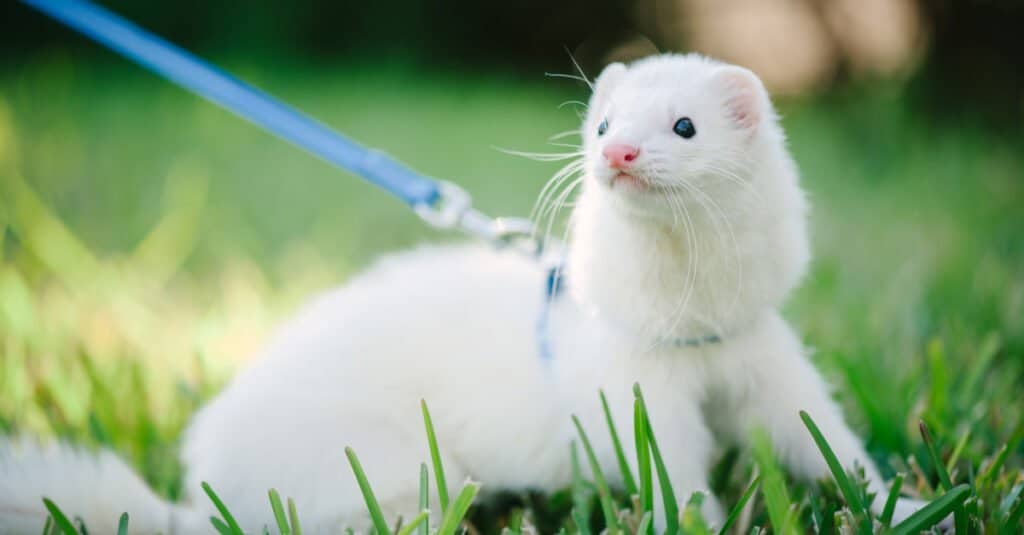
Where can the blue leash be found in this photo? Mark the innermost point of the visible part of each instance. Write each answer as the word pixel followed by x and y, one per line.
pixel 215 85
pixel 440 203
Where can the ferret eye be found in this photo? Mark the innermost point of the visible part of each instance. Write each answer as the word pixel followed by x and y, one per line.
pixel 684 127
pixel 602 128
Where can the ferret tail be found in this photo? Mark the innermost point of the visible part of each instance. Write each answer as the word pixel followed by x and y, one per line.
pixel 93 488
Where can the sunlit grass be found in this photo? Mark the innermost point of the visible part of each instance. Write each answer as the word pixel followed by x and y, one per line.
pixel 150 242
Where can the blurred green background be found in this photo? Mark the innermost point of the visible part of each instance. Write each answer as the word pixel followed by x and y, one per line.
pixel 150 240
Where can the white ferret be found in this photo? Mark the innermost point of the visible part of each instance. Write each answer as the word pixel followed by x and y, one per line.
pixel 689 232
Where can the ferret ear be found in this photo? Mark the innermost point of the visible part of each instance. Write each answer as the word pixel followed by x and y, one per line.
pixel 606 82
pixel 743 95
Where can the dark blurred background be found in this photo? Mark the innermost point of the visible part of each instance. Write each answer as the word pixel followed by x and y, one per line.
pixel 964 55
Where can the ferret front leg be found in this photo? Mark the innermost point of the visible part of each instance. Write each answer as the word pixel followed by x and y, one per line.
pixel 781 382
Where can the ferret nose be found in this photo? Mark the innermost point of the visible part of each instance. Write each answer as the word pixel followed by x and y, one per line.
pixel 619 155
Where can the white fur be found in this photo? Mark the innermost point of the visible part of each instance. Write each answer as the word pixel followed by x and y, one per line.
pixel 94 488
pixel 713 248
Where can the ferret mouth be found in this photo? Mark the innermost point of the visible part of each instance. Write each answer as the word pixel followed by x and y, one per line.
pixel 631 182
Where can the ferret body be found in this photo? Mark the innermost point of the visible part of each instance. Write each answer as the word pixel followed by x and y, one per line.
pixel 686 238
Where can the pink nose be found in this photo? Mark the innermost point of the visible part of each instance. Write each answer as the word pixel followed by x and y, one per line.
pixel 619 155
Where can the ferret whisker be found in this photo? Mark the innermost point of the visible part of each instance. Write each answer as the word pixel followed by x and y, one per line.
pixel 676 211
pixel 693 254
pixel 558 202
pixel 555 208
pixel 578 103
pixel 550 190
pixel 735 178
pixel 542 156
pixel 580 70
pixel 708 202
pixel 564 174
pixel 570 77
pixel 567 133
pixel 679 311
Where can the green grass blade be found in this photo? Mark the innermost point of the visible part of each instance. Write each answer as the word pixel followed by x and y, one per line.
pixel 940 467
pixel 693 522
pixel 957 451
pixel 604 493
pixel 278 508
pixel 773 485
pixel 938 402
pixel 933 513
pixel 48 527
pixel 582 523
pixel 992 470
pixel 1012 522
pixel 453 516
pixel 582 493
pixel 1011 498
pixel 424 496
pixel 737 510
pixel 959 515
pixel 849 490
pixel 646 523
pixel 228 519
pixel 515 521
pixel 418 522
pixel 60 520
pixel 668 495
pixel 627 474
pixel 376 515
pixel 293 518
pixel 980 366
pixel 890 501
pixel 643 457
pixel 435 458
pixel 220 526
pixel 122 524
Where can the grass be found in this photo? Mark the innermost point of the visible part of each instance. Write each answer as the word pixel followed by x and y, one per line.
pixel 150 241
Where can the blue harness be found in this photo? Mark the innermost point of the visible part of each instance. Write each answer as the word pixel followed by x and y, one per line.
pixel 553 288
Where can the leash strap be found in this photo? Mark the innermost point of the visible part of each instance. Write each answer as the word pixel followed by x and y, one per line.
pixel 441 204
pixel 188 71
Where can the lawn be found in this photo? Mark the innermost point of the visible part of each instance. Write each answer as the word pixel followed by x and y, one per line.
pixel 153 240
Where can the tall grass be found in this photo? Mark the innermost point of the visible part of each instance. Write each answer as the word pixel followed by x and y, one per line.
pixel 632 514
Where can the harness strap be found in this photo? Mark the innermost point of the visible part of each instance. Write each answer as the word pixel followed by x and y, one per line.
pixel 552 289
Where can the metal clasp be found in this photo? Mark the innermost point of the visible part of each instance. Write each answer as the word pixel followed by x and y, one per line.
pixel 454 209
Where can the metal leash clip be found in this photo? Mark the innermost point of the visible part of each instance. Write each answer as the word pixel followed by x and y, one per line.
pixel 454 209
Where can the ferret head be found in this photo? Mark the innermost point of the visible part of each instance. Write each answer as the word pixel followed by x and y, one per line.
pixel 673 124
pixel 691 208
